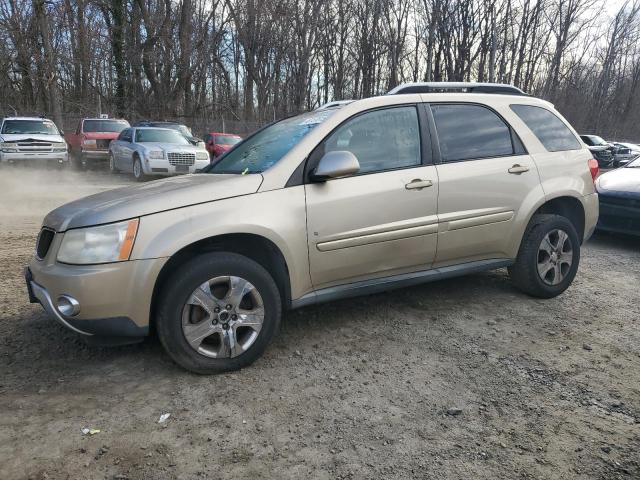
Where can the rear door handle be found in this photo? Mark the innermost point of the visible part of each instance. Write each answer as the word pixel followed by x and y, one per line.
pixel 518 169
pixel 418 184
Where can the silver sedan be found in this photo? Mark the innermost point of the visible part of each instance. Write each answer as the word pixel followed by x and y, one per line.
pixel 146 151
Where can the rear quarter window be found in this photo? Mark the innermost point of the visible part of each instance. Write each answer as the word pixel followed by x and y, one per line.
pixel 552 132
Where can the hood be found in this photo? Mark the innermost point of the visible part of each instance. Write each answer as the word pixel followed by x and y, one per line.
pixel 153 197
pixel 17 137
pixel 620 182
pixel 101 135
pixel 598 148
pixel 171 147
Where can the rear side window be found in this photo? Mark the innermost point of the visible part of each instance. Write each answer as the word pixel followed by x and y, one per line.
pixel 550 130
pixel 468 132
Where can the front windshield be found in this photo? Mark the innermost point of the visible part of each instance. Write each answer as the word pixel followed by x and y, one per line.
pixel 115 126
pixel 227 140
pixel 22 127
pixel 157 135
pixel 598 140
pixel 183 129
pixel 265 148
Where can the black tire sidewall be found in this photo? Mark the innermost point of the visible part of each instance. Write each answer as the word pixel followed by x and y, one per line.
pixel 534 236
pixel 185 280
pixel 136 159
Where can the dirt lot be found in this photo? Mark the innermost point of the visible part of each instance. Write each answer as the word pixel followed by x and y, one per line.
pixel 364 388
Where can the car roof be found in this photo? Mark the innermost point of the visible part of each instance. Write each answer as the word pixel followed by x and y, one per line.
pixel 39 119
pixel 153 128
pixel 114 119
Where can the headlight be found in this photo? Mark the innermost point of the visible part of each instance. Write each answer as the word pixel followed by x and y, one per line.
pixel 156 154
pixel 60 149
pixel 9 147
pixel 88 143
pixel 103 244
pixel 200 144
pixel 202 156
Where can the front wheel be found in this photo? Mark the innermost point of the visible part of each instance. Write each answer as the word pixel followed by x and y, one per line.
pixel 138 172
pixel 112 164
pixel 548 258
pixel 218 313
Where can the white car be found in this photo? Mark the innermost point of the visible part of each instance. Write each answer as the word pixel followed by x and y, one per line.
pixel 28 139
pixel 626 152
pixel 146 151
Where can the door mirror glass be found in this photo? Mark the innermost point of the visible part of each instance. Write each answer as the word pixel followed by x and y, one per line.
pixel 336 164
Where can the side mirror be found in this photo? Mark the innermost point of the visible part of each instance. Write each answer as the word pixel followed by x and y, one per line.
pixel 335 164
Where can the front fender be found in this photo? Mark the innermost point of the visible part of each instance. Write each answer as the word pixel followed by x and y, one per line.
pixel 277 215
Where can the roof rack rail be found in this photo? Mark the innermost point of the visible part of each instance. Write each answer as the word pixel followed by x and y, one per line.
pixel 456 87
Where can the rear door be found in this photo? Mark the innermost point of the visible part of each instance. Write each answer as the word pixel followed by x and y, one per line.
pixel 382 220
pixel 485 176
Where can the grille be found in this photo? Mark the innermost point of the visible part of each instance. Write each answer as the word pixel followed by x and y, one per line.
pixel 177 158
pixel 103 144
pixel 35 144
pixel 44 242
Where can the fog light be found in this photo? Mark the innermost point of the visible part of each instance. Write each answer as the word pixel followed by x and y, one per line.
pixel 68 306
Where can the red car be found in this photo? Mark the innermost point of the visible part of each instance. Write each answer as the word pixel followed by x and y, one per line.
pixel 218 143
pixel 89 144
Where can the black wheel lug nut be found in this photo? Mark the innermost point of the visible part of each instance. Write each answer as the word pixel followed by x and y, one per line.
pixel 234 317
pixel 215 321
pixel 216 310
pixel 225 326
pixel 229 307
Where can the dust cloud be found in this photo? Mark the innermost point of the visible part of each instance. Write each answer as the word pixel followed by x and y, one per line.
pixel 27 194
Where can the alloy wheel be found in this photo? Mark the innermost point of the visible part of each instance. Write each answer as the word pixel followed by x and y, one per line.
pixel 555 257
pixel 223 317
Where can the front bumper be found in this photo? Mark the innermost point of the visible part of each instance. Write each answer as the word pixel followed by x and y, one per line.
pixel 95 155
pixel 619 214
pixel 114 299
pixel 163 167
pixel 20 157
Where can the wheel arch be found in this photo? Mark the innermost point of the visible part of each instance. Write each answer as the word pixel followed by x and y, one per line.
pixel 253 246
pixel 567 206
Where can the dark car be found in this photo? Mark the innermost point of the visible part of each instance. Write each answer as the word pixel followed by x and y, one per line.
pixel 619 195
pixel 180 127
pixel 602 150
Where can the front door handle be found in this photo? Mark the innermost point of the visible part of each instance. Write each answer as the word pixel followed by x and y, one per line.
pixel 518 169
pixel 418 184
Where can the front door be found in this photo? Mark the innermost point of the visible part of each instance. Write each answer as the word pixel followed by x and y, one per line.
pixel 383 220
pixel 485 178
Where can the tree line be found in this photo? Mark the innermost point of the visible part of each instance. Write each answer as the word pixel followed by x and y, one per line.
pixel 252 61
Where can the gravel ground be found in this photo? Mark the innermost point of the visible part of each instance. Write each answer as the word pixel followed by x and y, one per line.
pixel 459 379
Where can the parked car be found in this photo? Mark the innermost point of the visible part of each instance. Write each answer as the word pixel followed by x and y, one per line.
pixel 381 193
pixel 625 153
pixel 219 143
pixel 602 151
pixel 178 127
pixel 146 151
pixel 89 144
pixel 619 195
pixel 31 139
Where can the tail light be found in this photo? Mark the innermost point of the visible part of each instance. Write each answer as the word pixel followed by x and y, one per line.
pixel 594 168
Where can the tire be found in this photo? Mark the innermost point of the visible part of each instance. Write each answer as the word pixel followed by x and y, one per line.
pixel 112 164
pixel 207 352
pixel 544 252
pixel 138 172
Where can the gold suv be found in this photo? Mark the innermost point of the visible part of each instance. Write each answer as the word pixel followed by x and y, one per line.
pixel 427 182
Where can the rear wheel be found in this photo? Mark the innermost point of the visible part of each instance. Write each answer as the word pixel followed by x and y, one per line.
pixel 218 313
pixel 548 258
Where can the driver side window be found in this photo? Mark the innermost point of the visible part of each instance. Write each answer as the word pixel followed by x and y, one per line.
pixel 125 135
pixel 384 139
